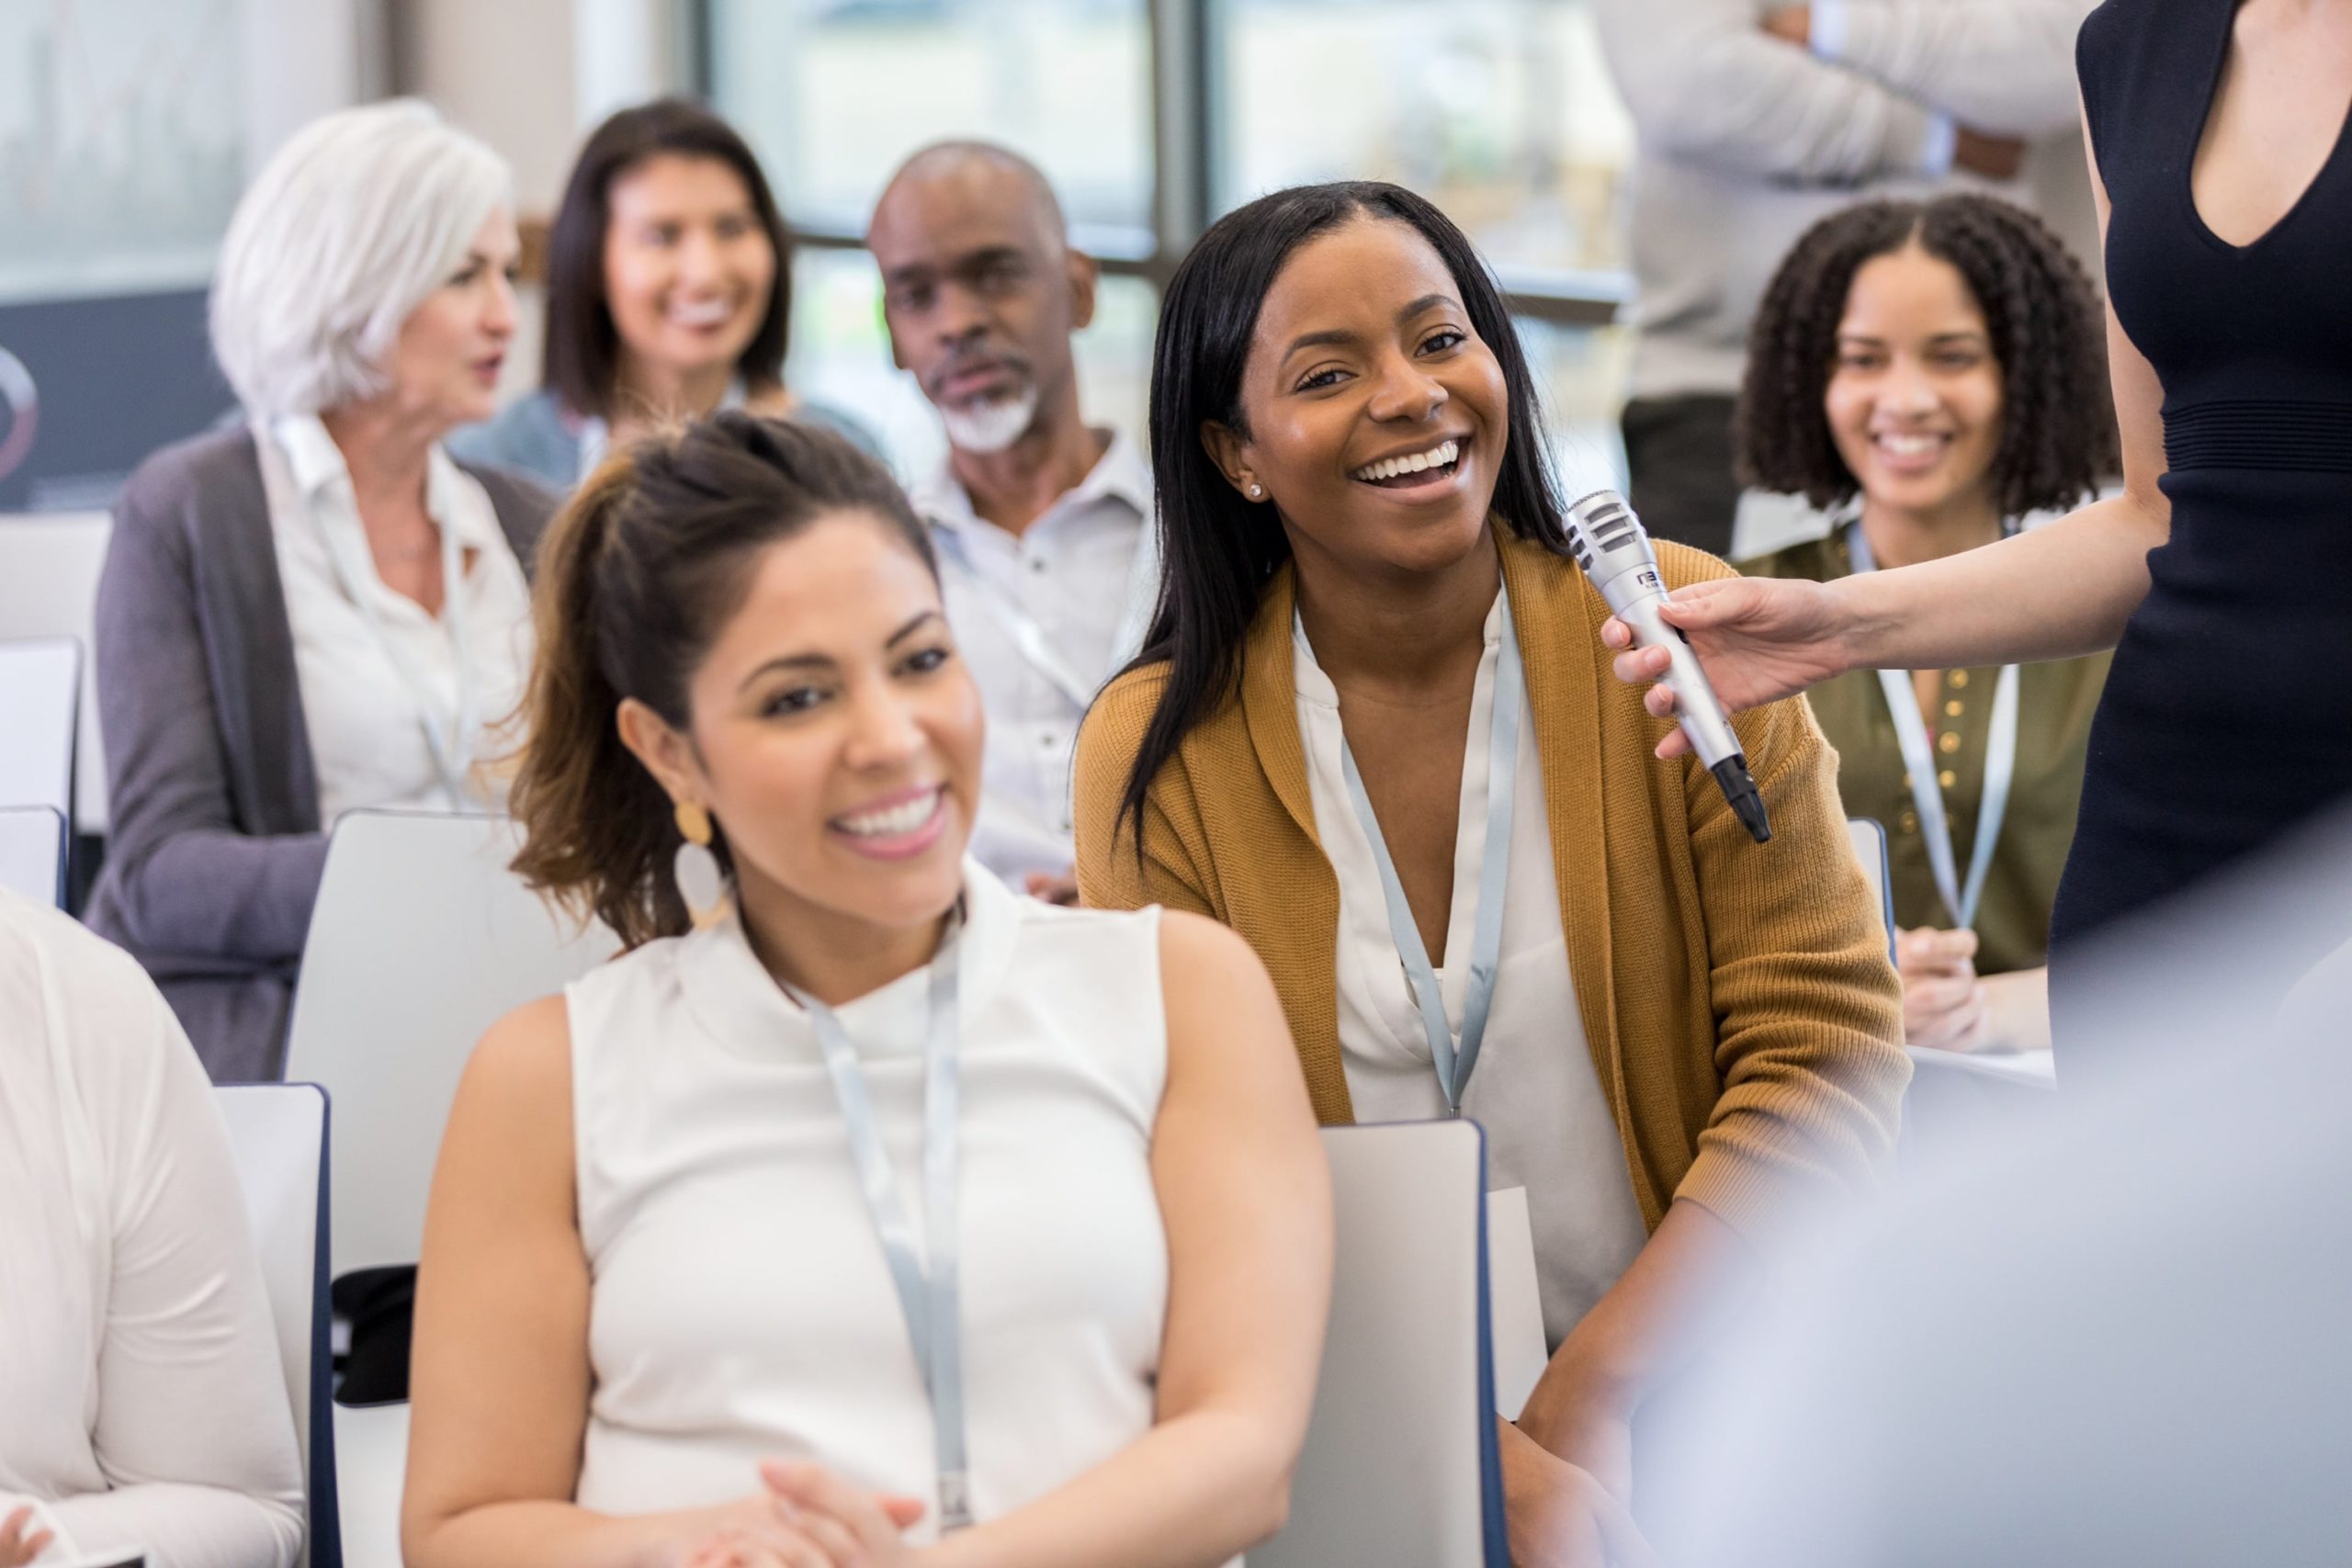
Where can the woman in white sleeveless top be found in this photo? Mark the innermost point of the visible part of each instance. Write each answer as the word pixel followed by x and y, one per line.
pixel 682 1301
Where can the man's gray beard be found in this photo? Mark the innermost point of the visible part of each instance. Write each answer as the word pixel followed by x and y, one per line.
pixel 993 426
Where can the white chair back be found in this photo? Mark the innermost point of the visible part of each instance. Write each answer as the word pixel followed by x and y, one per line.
pixel 49 588
pixel 279 1135
pixel 1400 1462
pixel 32 853
pixel 40 696
pixel 1870 848
pixel 420 940
pixel 371 1471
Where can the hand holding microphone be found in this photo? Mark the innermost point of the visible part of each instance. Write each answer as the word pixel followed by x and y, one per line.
pixel 1757 640
pixel 1609 544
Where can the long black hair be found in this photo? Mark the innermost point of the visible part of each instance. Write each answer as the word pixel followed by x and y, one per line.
pixel 1217 549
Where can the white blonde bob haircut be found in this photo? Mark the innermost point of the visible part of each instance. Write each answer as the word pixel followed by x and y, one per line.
pixel 347 230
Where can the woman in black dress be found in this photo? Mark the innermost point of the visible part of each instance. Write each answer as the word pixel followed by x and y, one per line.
pixel 2223 575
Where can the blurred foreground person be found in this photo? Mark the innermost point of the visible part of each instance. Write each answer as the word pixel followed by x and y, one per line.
pixel 2116 1337
pixel 862 1200
pixel 142 1411
pixel 1930 375
pixel 316 610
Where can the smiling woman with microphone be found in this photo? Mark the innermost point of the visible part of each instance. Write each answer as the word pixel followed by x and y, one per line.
pixel 863 1212
pixel 1372 730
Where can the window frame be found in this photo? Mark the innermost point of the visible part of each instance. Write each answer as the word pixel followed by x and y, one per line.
pixel 1184 126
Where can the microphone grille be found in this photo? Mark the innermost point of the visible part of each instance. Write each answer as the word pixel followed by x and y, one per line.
pixel 1601 523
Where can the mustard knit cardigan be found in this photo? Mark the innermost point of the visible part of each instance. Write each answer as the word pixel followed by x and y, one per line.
pixel 1741 1012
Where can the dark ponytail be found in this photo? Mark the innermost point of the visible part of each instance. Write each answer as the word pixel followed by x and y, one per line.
pixel 637 576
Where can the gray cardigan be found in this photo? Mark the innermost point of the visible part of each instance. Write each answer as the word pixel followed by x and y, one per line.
pixel 214 851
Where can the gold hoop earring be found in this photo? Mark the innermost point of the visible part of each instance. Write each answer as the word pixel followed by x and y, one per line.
pixel 702 885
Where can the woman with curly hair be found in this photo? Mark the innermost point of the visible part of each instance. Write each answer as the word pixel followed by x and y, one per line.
pixel 2220 573
pixel 1934 373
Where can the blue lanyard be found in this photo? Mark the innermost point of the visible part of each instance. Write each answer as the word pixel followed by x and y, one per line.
pixel 1927 796
pixel 928 1297
pixel 1454 1060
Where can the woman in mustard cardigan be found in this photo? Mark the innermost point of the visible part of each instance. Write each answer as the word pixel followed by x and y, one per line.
pixel 1373 732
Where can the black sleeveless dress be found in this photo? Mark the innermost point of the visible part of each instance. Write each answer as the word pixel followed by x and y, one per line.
pixel 2227 719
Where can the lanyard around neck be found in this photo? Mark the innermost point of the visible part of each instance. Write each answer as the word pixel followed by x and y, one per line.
pixel 1919 759
pixel 928 1288
pixel 1454 1060
pixel 449 739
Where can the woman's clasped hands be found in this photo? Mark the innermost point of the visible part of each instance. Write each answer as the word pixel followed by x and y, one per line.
pixel 1564 1514
pixel 1944 1004
pixel 803 1516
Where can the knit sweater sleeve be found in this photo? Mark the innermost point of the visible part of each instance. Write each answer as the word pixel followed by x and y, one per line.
pixel 1808 1007
pixel 1111 874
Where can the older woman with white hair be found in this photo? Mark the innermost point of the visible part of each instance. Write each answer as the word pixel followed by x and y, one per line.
pixel 317 609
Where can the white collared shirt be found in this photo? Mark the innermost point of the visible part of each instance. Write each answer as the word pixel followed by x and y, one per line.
pixel 1084 574
pixel 373 675
pixel 1535 1089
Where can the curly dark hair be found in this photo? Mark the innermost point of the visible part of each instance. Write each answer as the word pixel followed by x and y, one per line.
pixel 2058 421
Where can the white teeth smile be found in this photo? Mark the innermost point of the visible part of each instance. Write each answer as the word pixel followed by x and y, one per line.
pixel 892 821
pixel 709 313
pixel 1910 445
pixel 1411 463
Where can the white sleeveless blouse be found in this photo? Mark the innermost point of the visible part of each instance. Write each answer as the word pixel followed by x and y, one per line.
pixel 742 1305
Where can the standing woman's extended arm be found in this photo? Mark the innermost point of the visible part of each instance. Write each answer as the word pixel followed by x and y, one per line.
pixel 2057 591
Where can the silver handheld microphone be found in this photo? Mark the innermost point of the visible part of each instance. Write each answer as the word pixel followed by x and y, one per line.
pixel 1609 542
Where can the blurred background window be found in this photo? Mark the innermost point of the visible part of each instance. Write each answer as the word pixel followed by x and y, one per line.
pixel 1505 116
pixel 1151 118
pixel 121 145
pixel 835 94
